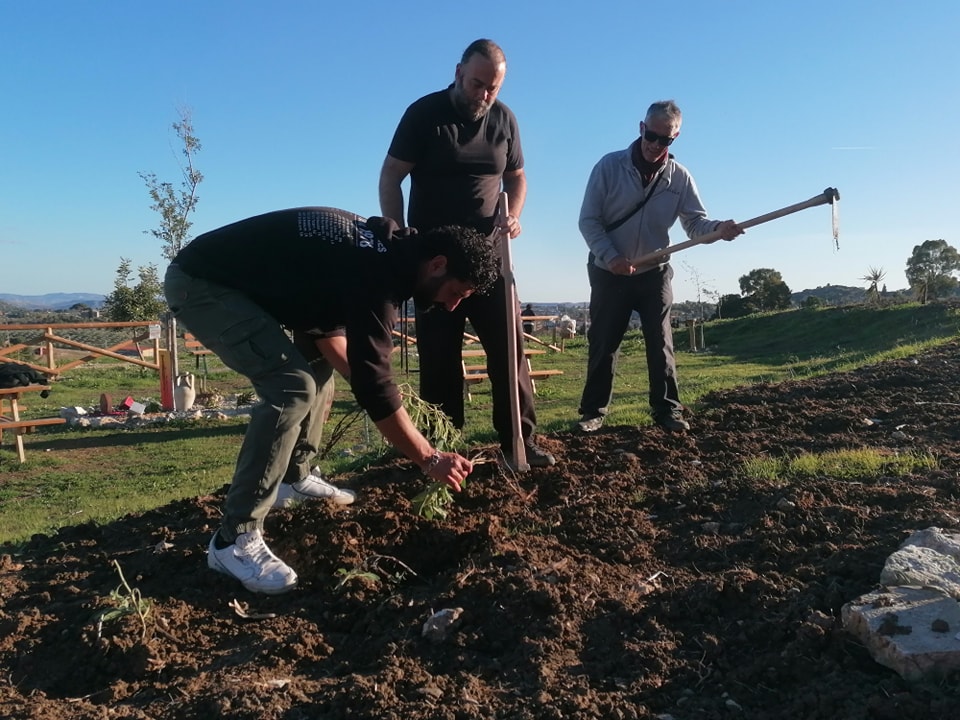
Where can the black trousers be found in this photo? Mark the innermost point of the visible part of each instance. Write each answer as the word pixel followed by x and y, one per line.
pixel 440 344
pixel 613 298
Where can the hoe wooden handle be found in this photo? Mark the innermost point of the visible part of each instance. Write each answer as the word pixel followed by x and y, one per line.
pixel 830 195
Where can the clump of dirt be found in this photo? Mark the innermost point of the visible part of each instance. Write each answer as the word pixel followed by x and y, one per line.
pixel 645 576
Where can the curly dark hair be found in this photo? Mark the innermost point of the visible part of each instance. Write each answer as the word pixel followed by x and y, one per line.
pixel 471 258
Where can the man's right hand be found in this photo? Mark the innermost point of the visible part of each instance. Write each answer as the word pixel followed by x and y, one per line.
pixel 621 266
pixel 448 468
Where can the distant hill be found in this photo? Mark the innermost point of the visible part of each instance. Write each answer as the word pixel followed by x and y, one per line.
pixel 52 301
pixel 832 295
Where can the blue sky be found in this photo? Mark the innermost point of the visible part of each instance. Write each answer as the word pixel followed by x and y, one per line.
pixel 295 103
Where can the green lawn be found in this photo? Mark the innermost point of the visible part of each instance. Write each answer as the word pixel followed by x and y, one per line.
pixel 75 475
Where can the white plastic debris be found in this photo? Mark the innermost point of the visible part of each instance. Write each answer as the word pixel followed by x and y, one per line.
pixel 438 625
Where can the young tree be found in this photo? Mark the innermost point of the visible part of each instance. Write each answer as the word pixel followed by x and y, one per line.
pixel 702 288
pixel 731 306
pixel 874 277
pixel 765 289
pixel 174 205
pixel 143 301
pixel 930 269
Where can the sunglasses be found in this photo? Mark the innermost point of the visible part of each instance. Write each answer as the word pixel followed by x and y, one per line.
pixel 651 136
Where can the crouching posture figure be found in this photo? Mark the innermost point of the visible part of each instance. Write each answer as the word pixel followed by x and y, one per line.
pixel 242 288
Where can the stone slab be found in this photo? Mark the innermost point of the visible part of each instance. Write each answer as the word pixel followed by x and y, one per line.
pixel 913 631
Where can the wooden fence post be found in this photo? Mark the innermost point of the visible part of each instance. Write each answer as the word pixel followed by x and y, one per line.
pixel 166 379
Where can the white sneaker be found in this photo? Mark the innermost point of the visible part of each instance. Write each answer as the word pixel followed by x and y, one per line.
pixel 312 487
pixel 250 561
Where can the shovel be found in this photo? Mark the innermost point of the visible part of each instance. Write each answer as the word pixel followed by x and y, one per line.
pixel 510 288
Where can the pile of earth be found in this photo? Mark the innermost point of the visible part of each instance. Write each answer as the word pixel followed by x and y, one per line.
pixel 645 576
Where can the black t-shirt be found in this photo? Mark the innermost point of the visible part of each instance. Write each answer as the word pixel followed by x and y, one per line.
pixel 458 165
pixel 318 268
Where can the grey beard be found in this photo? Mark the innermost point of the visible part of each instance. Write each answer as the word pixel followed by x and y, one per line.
pixel 468 111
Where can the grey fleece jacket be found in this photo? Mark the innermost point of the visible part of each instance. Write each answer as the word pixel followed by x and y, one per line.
pixel 615 188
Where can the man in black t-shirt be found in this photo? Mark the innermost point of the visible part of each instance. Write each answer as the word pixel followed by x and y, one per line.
pixel 326 273
pixel 459 146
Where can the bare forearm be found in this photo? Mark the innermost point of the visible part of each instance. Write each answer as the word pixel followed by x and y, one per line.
pixel 400 432
pixel 391 192
pixel 515 186
pixel 391 201
pixel 334 351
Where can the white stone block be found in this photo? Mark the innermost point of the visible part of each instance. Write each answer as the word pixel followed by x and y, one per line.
pixel 909 630
pixel 921 566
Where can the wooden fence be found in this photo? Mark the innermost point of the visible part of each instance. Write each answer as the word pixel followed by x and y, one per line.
pixel 47 343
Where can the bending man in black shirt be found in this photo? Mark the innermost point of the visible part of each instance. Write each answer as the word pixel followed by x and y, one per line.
pixel 241 287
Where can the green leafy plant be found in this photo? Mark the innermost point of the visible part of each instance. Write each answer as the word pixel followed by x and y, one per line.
pixel 427 417
pixel 431 420
pixel 126 601
pixel 433 502
pixel 373 570
pixel 355 574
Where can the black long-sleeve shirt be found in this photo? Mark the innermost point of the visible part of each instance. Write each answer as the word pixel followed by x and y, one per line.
pixel 319 268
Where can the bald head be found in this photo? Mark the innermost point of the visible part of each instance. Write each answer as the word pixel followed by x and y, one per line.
pixel 485 48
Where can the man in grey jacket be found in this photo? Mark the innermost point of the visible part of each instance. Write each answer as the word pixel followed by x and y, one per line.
pixel 632 199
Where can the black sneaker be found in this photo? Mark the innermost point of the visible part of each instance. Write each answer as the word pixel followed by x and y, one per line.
pixel 671 420
pixel 536 456
pixel 589 424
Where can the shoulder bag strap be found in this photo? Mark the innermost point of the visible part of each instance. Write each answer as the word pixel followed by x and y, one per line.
pixel 621 221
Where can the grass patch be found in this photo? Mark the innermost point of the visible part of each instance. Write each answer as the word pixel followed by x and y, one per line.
pixel 111 473
pixel 840 464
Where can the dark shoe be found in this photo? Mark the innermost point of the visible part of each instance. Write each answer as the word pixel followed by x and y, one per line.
pixel 590 424
pixel 536 456
pixel 671 420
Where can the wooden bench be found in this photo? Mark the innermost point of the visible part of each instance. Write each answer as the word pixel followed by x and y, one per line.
pixel 13 421
pixel 473 374
pixel 196 348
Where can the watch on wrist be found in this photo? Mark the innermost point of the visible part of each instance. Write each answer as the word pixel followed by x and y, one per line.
pixel 431 463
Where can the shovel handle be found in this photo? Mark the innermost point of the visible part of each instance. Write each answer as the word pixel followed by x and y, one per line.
pixel 513 350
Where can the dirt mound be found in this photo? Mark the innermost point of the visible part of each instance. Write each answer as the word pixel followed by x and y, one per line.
pixel 644 576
